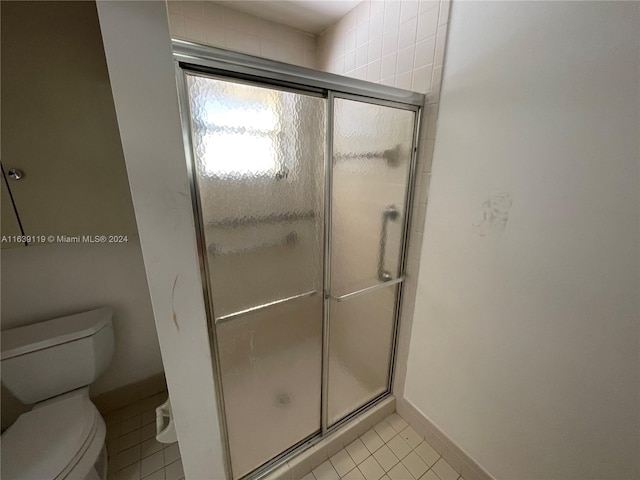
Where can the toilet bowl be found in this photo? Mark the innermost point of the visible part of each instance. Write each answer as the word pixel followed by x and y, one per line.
pixel 51 364
pixel 62 439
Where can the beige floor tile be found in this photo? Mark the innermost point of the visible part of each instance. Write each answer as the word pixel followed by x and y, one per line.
pixel 412 437
pixel 342 462
pixel 400 472
pixel 397 422
pixel 415 465
pixel 399 447
pixel 129 440
pixel 127 457
pixel 111 464
pixel 150 446
pixel 444 470
pixel 357 451
pixel 131 410
pixel 130 424
pixel 148 431
pixel 371 440
pixel 157 475
pixel 112 446
pixel 427 453
pixel 113 431
pixel 154 401
pixel 385 431
pixel 429 476
pixel 308 476
pixel 171 454
pixel 354 474
pixel 371 469
pixel 132 472
pixel 386 458
pixel 325 471
pixel 148 417
pixel 174 471
pixel 113 418
pixel 152 463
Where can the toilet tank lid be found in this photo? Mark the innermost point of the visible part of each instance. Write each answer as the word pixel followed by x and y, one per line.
pixel 21 340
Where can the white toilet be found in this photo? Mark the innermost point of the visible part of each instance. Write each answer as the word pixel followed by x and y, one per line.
pixel 52 364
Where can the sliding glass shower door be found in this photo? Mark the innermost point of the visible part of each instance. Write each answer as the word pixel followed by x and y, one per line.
pixel 372 152
pixel 301 209
pixel 259 171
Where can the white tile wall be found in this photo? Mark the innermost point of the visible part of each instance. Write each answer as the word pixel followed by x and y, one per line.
pixel 398 43
pixel 401 44
pixel 213 24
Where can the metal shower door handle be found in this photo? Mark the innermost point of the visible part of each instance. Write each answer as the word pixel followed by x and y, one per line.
pixel 373 288
pixel 240 313
pixel 389 213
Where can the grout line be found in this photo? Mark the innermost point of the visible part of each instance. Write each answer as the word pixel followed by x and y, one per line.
pixel 400 461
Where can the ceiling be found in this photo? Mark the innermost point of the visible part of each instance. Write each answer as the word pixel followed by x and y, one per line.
pixel 311 16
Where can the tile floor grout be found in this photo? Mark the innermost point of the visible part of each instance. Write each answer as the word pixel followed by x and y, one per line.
pixel 391 450
pixel 133 452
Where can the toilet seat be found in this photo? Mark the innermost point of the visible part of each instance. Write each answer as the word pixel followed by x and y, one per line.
pixel 58 440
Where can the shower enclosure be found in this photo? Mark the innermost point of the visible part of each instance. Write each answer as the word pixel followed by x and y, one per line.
pixel 302 190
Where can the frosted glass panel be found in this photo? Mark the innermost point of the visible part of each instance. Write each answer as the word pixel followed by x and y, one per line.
pixel 360 339
pixel 259 168
pixel 271 368
pixel 372 155
pixel 371 160
pixel 259 158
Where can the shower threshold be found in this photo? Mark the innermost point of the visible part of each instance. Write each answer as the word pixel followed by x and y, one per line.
pixel 301 459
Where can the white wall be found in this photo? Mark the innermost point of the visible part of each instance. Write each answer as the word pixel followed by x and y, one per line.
pixel 44 282
pixel 525 342
pixel 138 51
pixel 76 183
pixel 213 24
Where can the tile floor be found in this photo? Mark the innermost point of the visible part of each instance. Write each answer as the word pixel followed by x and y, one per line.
pixel 134 453
pixel 391 450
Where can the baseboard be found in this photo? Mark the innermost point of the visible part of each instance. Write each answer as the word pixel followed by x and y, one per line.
pixel 459 459
pixel 121 397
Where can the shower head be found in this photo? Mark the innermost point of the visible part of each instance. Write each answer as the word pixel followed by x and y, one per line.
pixel 392 156
pixel 391 212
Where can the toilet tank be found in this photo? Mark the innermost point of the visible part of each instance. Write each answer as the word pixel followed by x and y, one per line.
pixel 46 359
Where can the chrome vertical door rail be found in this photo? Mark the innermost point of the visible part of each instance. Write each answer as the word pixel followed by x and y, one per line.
pixel 405 242
pixel 328 191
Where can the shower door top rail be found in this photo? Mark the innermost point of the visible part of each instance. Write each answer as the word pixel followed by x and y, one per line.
pixel 195 56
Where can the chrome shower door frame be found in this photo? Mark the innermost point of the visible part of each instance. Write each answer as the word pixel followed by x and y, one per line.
pixel 211 61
